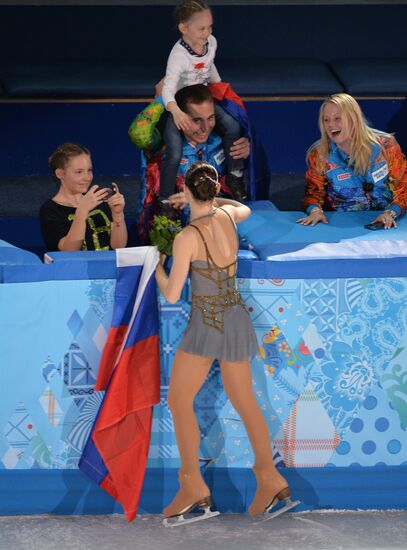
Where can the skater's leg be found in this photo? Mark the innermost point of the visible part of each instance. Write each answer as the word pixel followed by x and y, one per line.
pixel 237 380
pixel 188 374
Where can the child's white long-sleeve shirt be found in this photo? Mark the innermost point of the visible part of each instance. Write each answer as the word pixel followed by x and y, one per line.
pixel 184 69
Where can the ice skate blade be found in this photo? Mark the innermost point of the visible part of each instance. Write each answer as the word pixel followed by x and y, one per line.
pixel 180 520
pixel 289 504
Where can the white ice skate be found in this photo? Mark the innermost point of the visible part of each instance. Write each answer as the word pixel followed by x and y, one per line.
pixel 281 503
pixel 287 504
pixel 178 519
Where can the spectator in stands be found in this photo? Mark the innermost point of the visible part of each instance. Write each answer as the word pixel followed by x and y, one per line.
pixel 192 62
pixel 199 143
pixel 80 217
pixel 353 167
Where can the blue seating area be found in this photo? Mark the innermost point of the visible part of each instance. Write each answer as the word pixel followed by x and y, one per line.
pixel 280 50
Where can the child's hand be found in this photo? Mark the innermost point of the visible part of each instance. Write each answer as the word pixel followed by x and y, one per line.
pixel 182 120
pixel 91 199
pixel 116 201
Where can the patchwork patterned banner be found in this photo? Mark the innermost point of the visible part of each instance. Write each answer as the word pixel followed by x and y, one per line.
pixel 330 377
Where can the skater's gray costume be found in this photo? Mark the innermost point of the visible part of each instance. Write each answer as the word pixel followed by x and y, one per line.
pixel 219 325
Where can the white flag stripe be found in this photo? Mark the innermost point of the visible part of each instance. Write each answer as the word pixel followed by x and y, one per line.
pixel 148 257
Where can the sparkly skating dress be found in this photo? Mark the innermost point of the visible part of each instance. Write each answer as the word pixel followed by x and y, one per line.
pixel 219 325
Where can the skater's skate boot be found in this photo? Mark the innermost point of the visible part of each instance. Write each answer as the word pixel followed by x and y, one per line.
pixel 193 495
pixel 236 187
pixel 271 493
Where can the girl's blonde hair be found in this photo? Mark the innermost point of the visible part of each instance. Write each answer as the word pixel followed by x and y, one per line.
pixel 362 136
pixel 186 9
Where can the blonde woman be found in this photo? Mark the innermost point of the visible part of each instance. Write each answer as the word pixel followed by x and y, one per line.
pixel 353 167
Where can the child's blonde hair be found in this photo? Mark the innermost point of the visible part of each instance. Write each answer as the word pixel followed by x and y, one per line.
pixel 362 136
pixel 186 9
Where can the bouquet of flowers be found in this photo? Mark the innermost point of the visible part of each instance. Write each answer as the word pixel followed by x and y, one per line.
pixel 163 233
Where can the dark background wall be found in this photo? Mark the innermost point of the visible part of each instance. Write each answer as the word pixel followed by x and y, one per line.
pixel 72 35
pixel 114 33
pixel 30 131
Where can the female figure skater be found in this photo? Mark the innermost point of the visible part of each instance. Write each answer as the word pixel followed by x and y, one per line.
pixel 219 327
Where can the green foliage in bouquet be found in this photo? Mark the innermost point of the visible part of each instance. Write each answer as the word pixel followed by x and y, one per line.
pixel 163 233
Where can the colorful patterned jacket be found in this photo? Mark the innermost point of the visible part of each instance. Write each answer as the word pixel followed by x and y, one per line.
pixel 335 186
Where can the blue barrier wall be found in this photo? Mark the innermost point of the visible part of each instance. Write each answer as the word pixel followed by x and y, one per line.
pixel 330 378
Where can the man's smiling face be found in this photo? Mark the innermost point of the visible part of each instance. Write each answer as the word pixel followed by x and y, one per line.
pixel 203 116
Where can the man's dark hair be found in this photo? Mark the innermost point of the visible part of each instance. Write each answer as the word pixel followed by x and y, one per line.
pixel 196 94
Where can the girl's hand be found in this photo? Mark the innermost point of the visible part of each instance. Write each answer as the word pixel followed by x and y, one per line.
pixel 91 199
pixel 315 216
pixel 116 201
pixel 182 120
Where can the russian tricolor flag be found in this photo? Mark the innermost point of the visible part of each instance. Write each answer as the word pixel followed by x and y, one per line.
pixel 116 452
pixel 259 173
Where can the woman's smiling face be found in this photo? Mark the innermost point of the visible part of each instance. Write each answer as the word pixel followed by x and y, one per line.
pixel 337 126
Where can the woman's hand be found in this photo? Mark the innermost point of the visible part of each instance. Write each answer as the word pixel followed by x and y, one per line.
pixel 163 257
pixel 387 219
pixel 315 216
pixel 116 201
pixel 90 200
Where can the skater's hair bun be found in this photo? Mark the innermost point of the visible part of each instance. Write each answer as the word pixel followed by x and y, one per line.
pixel 201 179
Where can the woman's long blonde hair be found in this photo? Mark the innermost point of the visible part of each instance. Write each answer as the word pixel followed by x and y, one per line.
pixel 362 136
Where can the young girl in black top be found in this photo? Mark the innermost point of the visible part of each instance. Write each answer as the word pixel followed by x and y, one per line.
pixel 80 217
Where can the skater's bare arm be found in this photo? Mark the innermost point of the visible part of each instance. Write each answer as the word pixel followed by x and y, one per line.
pixel 237 210
pixel 171 286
